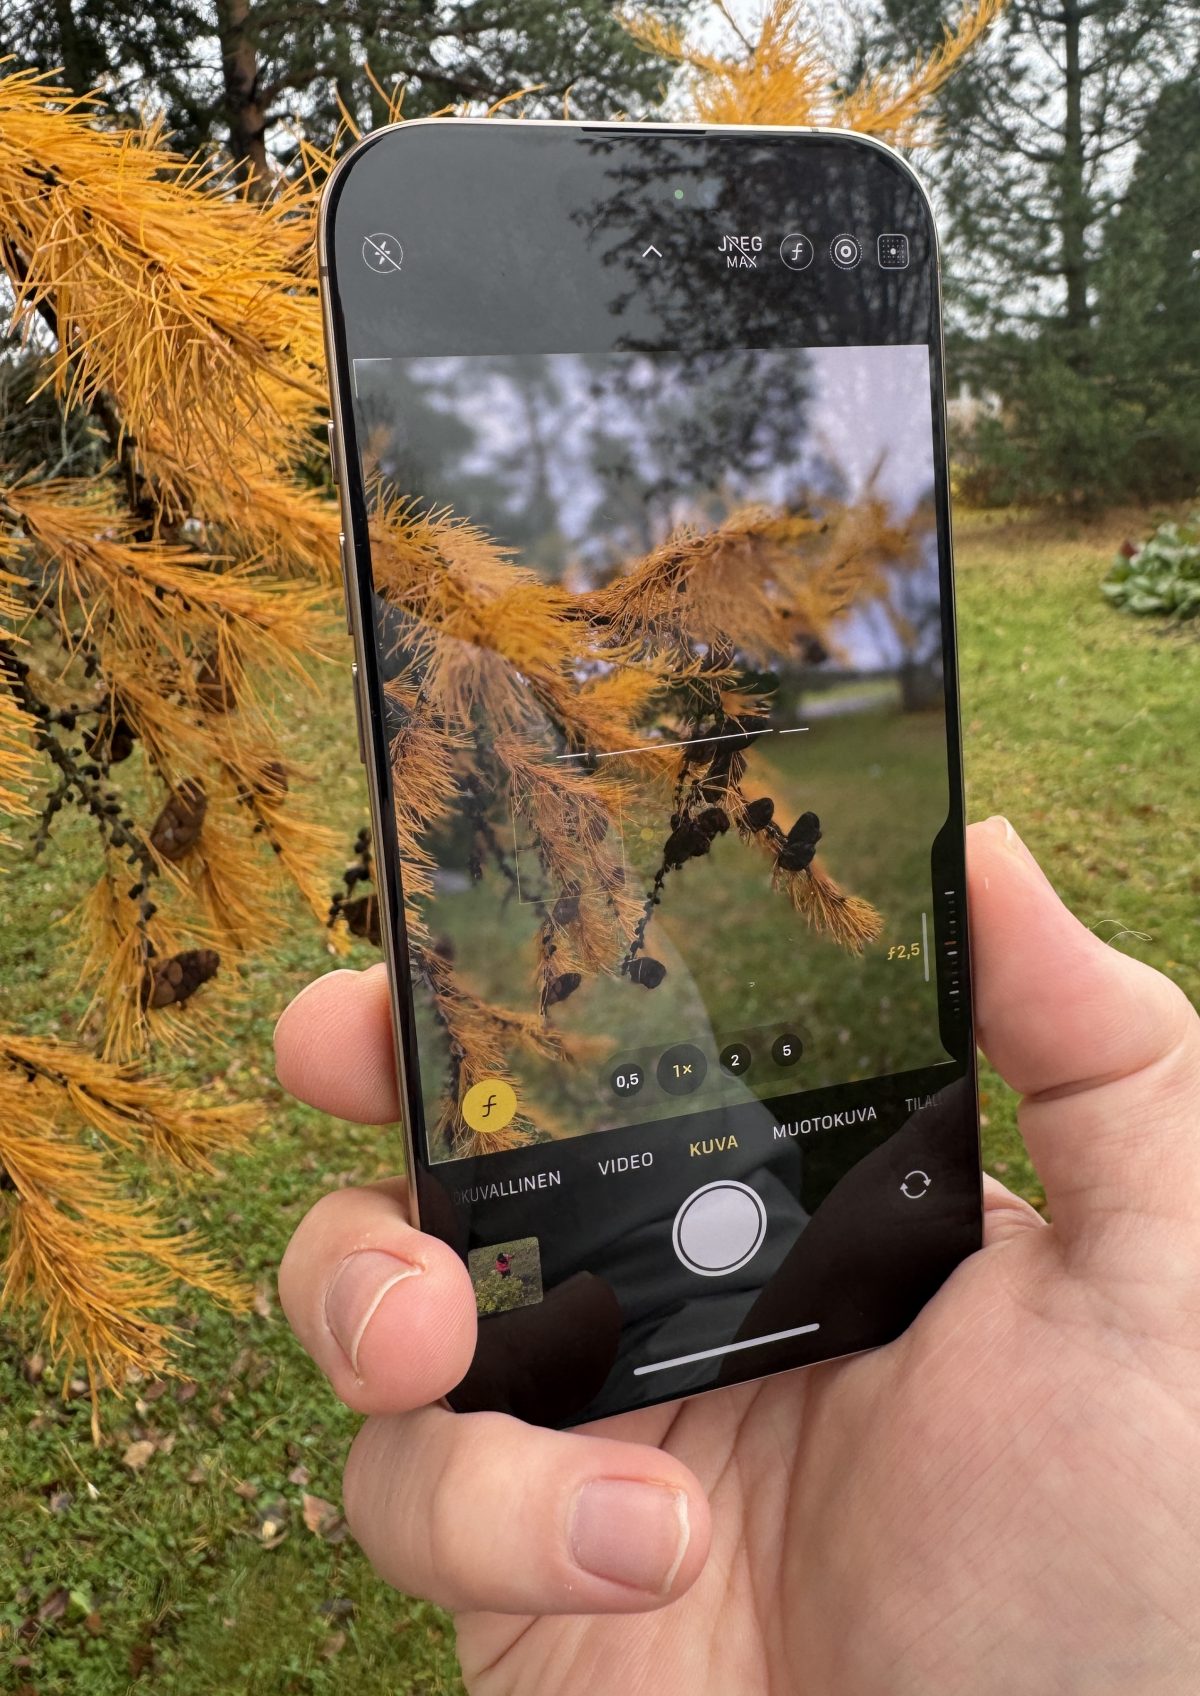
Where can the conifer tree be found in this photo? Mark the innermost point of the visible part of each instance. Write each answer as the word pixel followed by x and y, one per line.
pixel 188 555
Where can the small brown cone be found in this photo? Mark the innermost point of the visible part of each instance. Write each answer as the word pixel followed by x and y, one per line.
pixel 177 827
pixel 169 983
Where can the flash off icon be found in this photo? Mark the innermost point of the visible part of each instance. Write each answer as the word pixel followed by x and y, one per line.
pixel 382 253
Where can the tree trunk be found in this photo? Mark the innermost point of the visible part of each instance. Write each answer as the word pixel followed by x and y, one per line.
pixel 80 71
pixel 1073 207
pixel 244 115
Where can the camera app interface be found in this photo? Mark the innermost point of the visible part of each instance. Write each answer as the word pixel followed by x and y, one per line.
pixel 662 642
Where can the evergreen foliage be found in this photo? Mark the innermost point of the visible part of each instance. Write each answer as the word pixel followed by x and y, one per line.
pixel 179 550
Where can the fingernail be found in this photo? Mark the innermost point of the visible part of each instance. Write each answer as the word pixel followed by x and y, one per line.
pixel 630 1533
pixel 355 1291
pixel 1002 829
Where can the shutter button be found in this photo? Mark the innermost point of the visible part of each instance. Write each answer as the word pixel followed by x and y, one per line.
pixel 719 1228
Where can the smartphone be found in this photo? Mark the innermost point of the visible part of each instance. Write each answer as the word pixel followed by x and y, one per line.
pixel 639 431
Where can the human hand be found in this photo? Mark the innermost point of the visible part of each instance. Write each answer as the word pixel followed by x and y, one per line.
pixel 1002 1502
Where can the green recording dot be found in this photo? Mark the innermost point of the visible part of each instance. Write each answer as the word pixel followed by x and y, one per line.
pixel 679 194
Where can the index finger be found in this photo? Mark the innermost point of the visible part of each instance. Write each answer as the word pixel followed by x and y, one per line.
pixel 334 1050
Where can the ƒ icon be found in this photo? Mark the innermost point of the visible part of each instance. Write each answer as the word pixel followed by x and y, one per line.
pixel 796 251
pixel 489 1105
pixel 382 253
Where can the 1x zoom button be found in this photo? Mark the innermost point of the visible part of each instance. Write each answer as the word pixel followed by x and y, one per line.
pixel 719 1228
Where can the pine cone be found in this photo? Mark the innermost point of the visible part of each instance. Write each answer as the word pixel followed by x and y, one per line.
pixel 760 813
pixel 362 917
pixel 713 821
pixel 169 983
pixel 647 971
pixel 797 852
pixel 559 988
pixel 177 827
pixel 272 779
pixel 566 908
pixel 214 689
pixel 113 738
pixel 689 842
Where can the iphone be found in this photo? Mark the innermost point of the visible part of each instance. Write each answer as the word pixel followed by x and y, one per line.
pixel 640 440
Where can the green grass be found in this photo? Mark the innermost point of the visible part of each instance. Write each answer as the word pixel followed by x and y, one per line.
pixel 1080 724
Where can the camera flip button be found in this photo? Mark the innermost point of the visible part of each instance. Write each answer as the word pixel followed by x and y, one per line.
pixel 719 1228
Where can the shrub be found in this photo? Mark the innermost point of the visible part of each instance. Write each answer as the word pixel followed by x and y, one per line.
pixel 1162 575
pixel 495 1294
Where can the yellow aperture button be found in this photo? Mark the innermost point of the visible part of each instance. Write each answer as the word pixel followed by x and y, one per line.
pixel 489 1105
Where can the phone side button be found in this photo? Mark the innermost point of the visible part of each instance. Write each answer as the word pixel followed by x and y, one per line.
pixel 345 564
pixel 333 458
pixel 362 744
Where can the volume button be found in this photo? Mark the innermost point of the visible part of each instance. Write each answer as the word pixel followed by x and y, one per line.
pixel 358 718
pixel 333 458
pixel 345 563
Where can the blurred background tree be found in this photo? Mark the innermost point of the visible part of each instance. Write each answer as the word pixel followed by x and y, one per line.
pixel 240 73
pixel 1065 172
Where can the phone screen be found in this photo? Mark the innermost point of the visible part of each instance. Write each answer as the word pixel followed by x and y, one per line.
pixel 648 505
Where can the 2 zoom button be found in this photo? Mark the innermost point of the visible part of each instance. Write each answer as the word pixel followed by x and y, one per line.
pixel 719 1228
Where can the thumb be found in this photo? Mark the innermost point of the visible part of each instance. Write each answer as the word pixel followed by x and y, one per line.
pixel 1104 1050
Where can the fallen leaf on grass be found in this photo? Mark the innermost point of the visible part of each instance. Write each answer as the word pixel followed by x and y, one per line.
pixel 334 1644
pixel 137 1454
pixel 54 1606
pixel 141 1658
pixel 323 1518
pixel 299 1475
pixel 272 1522
pixel 246 1490
pixel 263 1305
